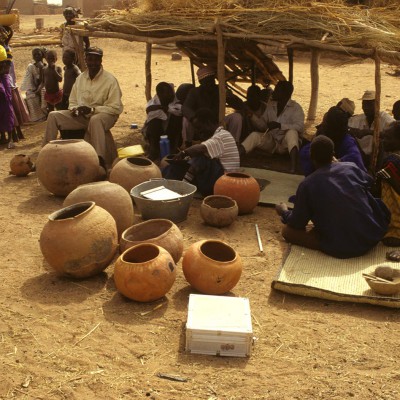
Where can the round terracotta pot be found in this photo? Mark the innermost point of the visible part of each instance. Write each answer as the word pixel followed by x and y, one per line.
pixel 144 272
pixel 241 187
pixel 79 240
pixel 110 196
pixel 131 171
pixel 161 232
pixel 20 165
pixel 63 165
pixel 219 211
pixel 212 266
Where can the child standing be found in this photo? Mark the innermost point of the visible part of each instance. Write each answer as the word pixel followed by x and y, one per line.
pixel 51 77
pixel 31 83
pixel 71 71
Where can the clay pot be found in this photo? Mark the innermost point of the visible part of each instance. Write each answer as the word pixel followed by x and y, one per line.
pixel 241 187
pixel 20 165
pixel 212 266
pixel 79 240
pixel 110 196
pixel 218 210
pixel 144 272
pixel 131 171
pixel 63 165
pixel 161 232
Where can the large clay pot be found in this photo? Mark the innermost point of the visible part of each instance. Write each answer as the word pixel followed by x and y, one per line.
pixel 131 171
pixel 20 165
pixel 63 165
pixel 219 211
pixel 212 266
pixel 162 232
pixel 144 272
pixel 79 240
pixel 110 196
pixel 241 187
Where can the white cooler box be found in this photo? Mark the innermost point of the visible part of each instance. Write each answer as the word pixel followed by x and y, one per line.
pixel 219 325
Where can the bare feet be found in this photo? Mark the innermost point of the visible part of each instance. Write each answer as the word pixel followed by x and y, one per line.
pixel 281 208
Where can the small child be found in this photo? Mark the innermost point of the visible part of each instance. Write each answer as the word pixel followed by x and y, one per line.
pixel 51 77
pixel 30 85
pixel 71 71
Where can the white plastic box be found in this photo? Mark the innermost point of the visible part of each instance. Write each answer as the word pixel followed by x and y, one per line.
pixel 219 325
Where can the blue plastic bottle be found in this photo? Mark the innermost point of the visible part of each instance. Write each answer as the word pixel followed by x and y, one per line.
pixel 164 146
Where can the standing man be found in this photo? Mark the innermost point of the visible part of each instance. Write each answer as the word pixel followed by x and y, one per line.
pixel 347 220
pixel 362 125
pixel 283 122
pixel 94 105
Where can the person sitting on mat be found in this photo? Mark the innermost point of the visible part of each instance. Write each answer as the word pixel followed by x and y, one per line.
pixel 348 221
pixel 206 161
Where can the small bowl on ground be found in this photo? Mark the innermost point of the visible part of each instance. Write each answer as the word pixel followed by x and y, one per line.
pixel 218 210
pixel 383 287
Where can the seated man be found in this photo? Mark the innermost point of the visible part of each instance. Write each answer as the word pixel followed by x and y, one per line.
pixel 94 104
pixel 206 161
pixel 207 96
pixel 348 220
pixel 334 126
pixel 283 125
pixel 164 117
pixel 362 125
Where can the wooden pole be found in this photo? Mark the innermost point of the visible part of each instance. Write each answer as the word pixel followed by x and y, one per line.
pixel 147 65
pixel 192 72
pixel 221 72
pixel 312 110
pixel 290 53
pixel 377 119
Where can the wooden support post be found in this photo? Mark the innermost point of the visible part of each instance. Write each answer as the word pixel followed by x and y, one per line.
pixel 290 53
pixel 312 110
pixel 148 71
pixel 221 72
pixel 192 72
pixel 377 118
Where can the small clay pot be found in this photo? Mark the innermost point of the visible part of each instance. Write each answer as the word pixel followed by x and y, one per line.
pixel 80 240
pixel 243 188
pixel 212 266
pixel 161 232
pixel 20 165
pixel 63 165
pixel 132 171
pixel 219 211
pixel 110 196
pixel 144 272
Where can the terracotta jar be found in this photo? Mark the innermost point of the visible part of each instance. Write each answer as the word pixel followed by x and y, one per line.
pixel 79 240
pixel 212 266
pixel 219 211
pixel 241 187
pixel 110 196
pixel 161 232
pixel 63 165
pixel 144 272
pixel 20 165
pixel 131 171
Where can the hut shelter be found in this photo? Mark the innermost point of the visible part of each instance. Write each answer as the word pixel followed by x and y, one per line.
pixel 231 36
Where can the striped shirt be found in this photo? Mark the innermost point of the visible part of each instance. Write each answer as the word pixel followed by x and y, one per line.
pixel 222 145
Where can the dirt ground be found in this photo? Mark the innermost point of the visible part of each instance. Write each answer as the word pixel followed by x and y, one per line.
pixel 63 339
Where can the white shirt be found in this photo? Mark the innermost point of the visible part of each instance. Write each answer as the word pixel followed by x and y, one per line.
pixel 102 93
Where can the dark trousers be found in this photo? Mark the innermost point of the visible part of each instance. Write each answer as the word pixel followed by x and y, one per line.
pixel 155 130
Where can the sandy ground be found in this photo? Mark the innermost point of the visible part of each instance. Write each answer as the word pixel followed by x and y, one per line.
pixel 304 349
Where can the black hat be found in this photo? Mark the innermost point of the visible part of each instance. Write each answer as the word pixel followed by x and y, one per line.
pixel 94 50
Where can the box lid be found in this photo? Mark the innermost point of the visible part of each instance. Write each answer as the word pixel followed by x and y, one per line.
pixel 219 313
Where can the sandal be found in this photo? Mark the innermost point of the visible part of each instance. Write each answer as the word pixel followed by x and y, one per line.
pixel 393 255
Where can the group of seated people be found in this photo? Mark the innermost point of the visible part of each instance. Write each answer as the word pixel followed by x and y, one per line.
pixel 336 193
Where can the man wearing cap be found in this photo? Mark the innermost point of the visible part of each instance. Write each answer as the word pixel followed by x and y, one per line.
pixel 6 108
pixel 362 125
pixel 283 125
pixel 94 105
pixel 207 96
pixel 334 126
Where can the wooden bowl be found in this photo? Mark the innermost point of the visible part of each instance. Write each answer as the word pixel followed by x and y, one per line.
pixel 385 288
pixel 8 19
